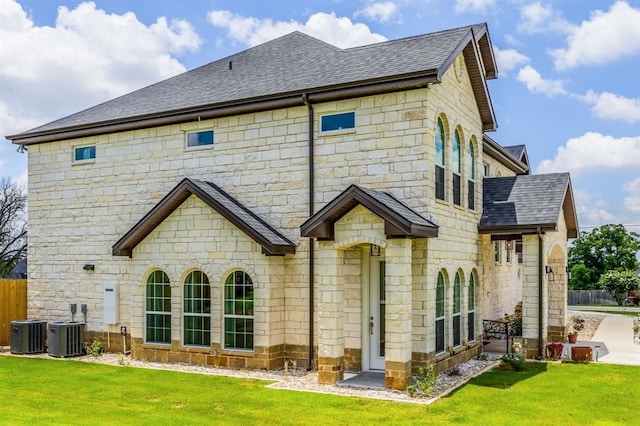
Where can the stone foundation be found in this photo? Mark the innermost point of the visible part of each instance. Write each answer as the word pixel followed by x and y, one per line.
pixel 111 342
pixel 397 375
pixel 446 360
pixel 556 334
pixel 330 370
pixel 530 348
pixel 352 360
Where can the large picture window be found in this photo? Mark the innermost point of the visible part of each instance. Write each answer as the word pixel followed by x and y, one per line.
pixel 439 166
pixel 197 310
pixel 456 323
pixel 457 169
pixel 238 311
pixel 440 314
pixel 158 308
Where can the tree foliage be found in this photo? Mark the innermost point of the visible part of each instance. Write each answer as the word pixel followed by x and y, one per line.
pixel 607 248
pixel 619 283
pixel 13 227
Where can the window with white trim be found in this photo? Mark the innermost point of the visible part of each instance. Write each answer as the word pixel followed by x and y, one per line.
pixel 440 313
pixel 197 310
pixel 158 308
pixel 238 311
pixel 471 309
pixel 338 122
pixel 497 249
pixel 456 320
pixel 457 169
pixel 199 138
pixel 471 177
pixel 439 167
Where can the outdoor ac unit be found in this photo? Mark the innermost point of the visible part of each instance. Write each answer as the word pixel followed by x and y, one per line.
pixel 28 336
pixel 66 338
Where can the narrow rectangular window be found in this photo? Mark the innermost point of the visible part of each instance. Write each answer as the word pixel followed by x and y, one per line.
pixel 485 170
pixel 457 190
pixel 334 122
pixel 496 251
pixel 83 153
pixel 508 250
pixel 471 196
pixel 201 138
pixel 439 182
pixel 440 314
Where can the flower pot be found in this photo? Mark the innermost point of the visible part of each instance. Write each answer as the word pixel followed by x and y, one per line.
pixel 554 350
pixel 573 338
pixel 582 353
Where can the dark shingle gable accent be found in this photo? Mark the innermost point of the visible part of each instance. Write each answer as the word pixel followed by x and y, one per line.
pixel 399 220
pixel 276 74
pixel 524 203
pixel 272 241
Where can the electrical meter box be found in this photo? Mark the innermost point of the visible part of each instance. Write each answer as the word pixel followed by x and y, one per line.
pixel 110 305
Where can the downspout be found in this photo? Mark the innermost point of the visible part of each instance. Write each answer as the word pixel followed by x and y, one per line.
pixel 540 283
pixel 305 99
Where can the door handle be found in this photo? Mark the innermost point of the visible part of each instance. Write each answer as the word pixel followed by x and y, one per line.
pixel 371 326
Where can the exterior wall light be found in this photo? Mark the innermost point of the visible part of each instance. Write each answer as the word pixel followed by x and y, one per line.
pixel 89 267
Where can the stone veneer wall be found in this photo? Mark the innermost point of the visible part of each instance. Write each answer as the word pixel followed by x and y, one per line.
pixel 78 210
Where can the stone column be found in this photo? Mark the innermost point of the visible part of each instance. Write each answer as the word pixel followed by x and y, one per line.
pixel 530 296
pixel 330 314
pixel 398 314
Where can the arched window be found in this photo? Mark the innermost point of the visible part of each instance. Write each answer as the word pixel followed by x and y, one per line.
pixel 471 176
pixel 440 313
pixel 456 323
pixel 439 168
pixel 238 311
pixel 158 308
pixel 471 304
pixel 457 169
pixel 197 310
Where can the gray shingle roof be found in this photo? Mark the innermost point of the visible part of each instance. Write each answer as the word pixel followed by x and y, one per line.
pixel 272 241
pixel 292 64
pixel 400 220
pixel 516 151
pixel 526 202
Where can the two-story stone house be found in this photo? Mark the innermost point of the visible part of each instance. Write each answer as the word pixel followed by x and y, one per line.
pixel 299 201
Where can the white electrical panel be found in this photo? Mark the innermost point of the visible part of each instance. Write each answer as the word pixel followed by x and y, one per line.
pixel 110 305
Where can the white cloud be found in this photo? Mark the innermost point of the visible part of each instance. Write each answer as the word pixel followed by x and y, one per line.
pixel 88 57
pixel 509 59
pixel 380 11
pixel 480 6
pixel 539 18
pixel 595 153
pixel 592 209
pixel 632 202
pixel 614 107
pixel 340 32
pixel 605 37
pixel 536 84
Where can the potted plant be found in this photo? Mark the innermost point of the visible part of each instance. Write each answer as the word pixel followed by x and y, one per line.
pixel 576 326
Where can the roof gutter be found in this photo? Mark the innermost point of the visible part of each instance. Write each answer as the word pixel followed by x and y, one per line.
pixel 225 110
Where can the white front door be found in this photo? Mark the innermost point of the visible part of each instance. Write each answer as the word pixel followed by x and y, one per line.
pixel 376 313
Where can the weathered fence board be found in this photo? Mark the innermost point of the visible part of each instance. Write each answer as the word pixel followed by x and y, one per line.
pixel 590 297
pixel 13 306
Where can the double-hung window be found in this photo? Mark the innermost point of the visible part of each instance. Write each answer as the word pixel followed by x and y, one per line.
pixel 238 311
pixel 197 310
pixel 440 314
pixel 471 177
pixel 457 169
pixel 457 324
pixel 471 309
pixel 439 166
pixel 158 308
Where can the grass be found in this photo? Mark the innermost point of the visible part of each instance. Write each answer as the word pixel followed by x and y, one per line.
pixel 45 391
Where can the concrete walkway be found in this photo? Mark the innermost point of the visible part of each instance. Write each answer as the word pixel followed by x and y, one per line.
pixel 615 335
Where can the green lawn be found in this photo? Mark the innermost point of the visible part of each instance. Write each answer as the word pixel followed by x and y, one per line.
pixel 46 391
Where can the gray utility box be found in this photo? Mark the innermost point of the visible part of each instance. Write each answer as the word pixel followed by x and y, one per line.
pixel 66 338
pixel 28 336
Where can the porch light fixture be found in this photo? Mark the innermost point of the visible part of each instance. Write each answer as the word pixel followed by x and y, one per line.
pixel 509 245
pixel 374 250
pixel 549 272
pixel 89 267
pixel 568 270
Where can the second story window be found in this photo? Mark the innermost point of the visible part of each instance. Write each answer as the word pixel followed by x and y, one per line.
pixel 200 138
pixel 83 153
pixel 337 122
pixel 457 169
pixel 471 177
pixel 439 143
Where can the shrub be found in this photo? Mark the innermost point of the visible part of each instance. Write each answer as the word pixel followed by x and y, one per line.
pixel 514 361
pixel 426 379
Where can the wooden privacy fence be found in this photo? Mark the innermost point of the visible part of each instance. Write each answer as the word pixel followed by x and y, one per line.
pixel 13 306
pixel 590 297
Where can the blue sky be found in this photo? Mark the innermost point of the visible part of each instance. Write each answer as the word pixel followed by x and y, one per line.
pixel 568 83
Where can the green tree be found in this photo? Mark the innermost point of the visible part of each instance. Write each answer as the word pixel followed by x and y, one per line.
pixel 619 283
pixel 607 248
pixel 13 229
